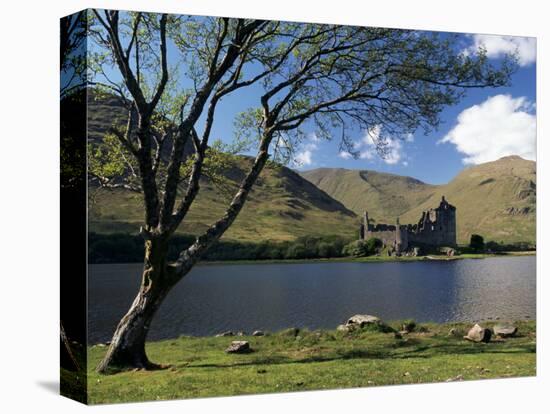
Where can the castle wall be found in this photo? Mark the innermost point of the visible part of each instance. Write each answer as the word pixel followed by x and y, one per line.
pixel 387 237
pixel 396 239
pixel 437 227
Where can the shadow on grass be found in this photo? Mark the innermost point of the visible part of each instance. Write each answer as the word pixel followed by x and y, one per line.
pixel 396 352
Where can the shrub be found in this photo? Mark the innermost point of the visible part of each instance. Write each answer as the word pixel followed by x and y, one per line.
pixel 355 248
pixel 373 244
pixel 408 325
pixel 477 243
pixel 325 249
pixel 361 248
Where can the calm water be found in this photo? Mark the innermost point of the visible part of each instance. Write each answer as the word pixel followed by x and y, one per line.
pixel 216 298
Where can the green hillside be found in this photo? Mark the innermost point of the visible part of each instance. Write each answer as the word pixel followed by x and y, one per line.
pixel 282 206
pixel 385 196
pixel 495 199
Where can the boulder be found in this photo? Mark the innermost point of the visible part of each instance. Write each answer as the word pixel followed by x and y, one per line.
pixel 239 347
pixel 505 331
pixel 258 333
pixel 478 334
pixel 343 328
pixel 363 320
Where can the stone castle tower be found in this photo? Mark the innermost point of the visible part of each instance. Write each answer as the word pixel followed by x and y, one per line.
pixel 436 228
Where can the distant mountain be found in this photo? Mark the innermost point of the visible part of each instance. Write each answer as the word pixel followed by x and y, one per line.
pixel 496 199
pixel 385 196
pixel 282 205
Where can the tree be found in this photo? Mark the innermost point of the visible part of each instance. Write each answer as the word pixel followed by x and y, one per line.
pixel 477 243
pixel 373 244
pixel 327 77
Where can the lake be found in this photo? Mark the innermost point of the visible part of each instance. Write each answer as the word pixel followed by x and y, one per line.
pixel 217 298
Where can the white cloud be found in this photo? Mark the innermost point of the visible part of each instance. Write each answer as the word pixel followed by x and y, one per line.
pixel 498 127
pixel 312 136
pixel 498 46
pixel 393 151
pixel 345 155
pixel 305 156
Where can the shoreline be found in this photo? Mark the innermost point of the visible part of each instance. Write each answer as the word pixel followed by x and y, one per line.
pixel 370 259
pixel 242 335
pixel 349 259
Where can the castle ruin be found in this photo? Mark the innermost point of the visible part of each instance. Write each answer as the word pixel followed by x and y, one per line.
pixel 436 228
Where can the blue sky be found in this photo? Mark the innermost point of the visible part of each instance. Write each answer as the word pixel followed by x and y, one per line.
pixel 486 125
pixel 490 114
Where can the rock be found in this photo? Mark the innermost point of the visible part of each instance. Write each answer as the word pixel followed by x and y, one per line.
pixel 241 333
pixel 226 333
pixel 397 335
pixel 457 378
pixel 363 320
pixel 505 331
pixel 343 328
pixel 478 334
pixel 453 332
pixel 239 347
pixel 258 333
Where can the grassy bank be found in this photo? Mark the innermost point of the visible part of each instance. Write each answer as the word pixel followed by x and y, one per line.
pixel 287 361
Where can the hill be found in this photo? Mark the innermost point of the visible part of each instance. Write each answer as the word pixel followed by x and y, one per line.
pixel 386 196
pixel 496 199
pixel 282 205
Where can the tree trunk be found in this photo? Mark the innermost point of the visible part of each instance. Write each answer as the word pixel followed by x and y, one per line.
pixel 127 348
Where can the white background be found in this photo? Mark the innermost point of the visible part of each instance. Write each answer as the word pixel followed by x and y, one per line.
pixel 29 206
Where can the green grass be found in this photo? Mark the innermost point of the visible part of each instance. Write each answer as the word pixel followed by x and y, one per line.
pixel 282 362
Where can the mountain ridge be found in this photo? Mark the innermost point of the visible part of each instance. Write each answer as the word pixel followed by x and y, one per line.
pixel 496 199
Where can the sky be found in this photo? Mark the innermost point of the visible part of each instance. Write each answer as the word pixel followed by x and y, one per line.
pixel 486 125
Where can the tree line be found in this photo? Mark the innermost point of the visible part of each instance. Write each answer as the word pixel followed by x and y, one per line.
pixel 128 248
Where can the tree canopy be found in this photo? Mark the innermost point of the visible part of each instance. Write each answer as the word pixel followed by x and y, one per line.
pixel 173 71
pixel 326 78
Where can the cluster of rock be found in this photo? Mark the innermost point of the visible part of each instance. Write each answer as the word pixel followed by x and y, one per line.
pixel 477 333
pixel 480 334
pixel 239 347
pixel 359 322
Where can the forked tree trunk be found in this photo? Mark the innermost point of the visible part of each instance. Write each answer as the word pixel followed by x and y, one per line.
pixel 127 348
